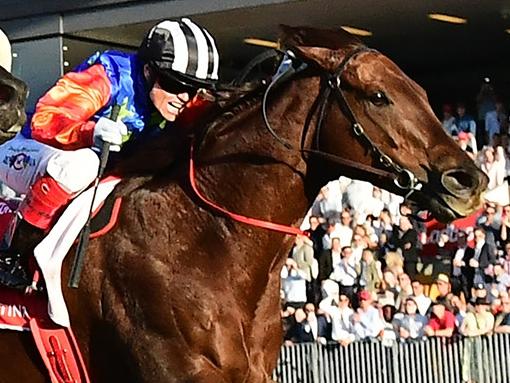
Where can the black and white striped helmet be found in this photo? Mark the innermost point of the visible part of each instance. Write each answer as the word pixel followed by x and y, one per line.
pixel 183 50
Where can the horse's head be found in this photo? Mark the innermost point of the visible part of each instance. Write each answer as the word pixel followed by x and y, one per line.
pixel 13 94
pixel 394 127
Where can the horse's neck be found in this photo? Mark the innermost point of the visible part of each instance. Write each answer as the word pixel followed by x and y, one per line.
pixel 245 169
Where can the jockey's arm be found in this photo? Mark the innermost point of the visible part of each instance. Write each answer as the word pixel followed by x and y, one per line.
pixel 63 116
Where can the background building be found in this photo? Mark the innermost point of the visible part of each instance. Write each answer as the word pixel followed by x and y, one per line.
pixel 449 60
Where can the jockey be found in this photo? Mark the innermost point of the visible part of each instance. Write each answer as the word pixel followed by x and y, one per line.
pixel 55 156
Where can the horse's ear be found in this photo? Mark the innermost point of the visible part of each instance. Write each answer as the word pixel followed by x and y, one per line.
pixel 323 57
pixel 326 48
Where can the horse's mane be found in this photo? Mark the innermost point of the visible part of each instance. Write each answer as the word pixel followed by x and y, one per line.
pixel 232 101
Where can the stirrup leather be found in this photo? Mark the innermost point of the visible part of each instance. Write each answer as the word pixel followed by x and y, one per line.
pixel 12 272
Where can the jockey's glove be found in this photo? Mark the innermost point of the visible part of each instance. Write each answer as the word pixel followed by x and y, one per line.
pixel 110 131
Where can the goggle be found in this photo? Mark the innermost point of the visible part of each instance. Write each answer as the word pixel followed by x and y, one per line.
pixel 176 88
pixel 173 85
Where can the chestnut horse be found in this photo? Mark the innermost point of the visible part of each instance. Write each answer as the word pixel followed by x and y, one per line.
pixel 179 293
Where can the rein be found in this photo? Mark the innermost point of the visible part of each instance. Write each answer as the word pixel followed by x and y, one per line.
pixel 285 229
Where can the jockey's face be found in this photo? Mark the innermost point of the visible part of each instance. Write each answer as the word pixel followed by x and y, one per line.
pixel 168 104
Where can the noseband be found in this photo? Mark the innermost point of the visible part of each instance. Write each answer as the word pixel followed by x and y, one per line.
pixel 402 177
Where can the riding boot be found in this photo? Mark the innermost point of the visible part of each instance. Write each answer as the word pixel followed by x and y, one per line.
pixel 38 210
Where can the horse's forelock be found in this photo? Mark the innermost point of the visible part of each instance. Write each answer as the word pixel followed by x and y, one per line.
pixel 333 39
pixel 326 48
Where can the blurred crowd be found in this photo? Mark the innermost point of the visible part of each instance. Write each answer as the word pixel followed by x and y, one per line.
pixel 368 270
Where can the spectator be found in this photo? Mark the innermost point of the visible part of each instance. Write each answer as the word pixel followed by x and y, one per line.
pixel 490 222
pixel 327 259
pixel 330 292
pixel 356 195
pixel 504 233
pixel 288 323
pixel 383 247
pixel 493 163
pixel 386 223
pixel 505 259
pixel 394 262
pixel 412 324
pixel 444 254
pixel 501 278
pixel 388 335
pixel 342 231
pixel 372 205
pixel 464 122
pixel 444 291
pixel 460 284
pixel 327 205
pixel 390 284
pixel 405 239
pixel 331 232
pixel 341 319
pixel 358 245
pixel 345 273
pixel 459 310
pixel 302 253
pixel 502 117
pixel 369 271
pixel 441 322
pixel 367 321
pixel 371 237
pixel 449 120
pixel 479 291
pixel 478 322
pixel 405 290
pixel 478 259
pixel 316 232
pixel 423 302
pixel 467 143
pixel 502 322
pixel 492 126
pixel 309 327
pixel 345 231
pixel 485 101
pixel 293 284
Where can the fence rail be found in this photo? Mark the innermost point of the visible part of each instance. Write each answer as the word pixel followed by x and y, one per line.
pixel 483 359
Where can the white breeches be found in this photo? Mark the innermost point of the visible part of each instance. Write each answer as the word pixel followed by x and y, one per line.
pixel 22 161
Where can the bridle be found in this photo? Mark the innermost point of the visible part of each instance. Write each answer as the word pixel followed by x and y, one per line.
pixel 402 177
pixel 290 66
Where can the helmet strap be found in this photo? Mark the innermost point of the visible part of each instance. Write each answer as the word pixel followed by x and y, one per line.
pixel 150 76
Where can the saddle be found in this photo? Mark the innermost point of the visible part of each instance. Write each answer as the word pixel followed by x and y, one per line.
pixel 55 342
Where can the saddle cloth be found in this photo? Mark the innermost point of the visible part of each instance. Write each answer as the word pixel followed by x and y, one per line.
pixel 48 319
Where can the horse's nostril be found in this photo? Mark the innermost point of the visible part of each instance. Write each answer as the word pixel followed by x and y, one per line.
pixel 459 181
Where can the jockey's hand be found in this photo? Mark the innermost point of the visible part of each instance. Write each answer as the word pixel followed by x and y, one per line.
pixel 110 131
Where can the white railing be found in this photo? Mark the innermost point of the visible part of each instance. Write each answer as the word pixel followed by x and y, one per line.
pixel 479 359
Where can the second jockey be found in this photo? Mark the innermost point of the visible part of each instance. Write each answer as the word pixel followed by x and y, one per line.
pixel 55 156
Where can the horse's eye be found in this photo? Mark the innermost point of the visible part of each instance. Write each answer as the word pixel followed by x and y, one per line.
pixel 379 99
